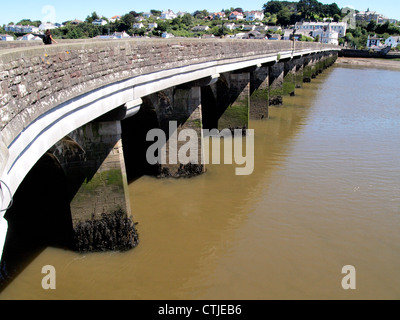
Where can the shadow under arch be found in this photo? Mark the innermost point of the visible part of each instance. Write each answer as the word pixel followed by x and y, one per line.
pixel 39 217
pixel 134 132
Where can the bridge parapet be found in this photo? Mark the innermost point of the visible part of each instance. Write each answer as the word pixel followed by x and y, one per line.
pixel 36 79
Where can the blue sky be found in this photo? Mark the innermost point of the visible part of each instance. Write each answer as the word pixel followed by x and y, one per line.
pixel 70 9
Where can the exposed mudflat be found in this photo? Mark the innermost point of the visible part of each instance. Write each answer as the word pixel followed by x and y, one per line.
pixel 370 62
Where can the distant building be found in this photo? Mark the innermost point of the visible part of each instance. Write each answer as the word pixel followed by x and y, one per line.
pixel 76 22
pixel 152 25
pixel 115 35
pixel 6 37
pixel 274 28
pixel 200 28
pixel 249 27
pixel 367 16
pixel 138 25
pixel 254 15
pixel 326 35
pixel 29 37
pixel 393 41
pixel 167 35
pixel 374 42
pixel 181 14
pixel 99 22
pixel 218 15
pixel 120 35
pixel 339 27
pixel 275 37
pixel 146 14
pixel 20 28
pixel 255 35
pixel 235 15
pixel 45 26
pixel 115 18
pixel 167 15
pixel 287 34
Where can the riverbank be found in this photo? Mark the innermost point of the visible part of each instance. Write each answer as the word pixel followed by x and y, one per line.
pixel 370 62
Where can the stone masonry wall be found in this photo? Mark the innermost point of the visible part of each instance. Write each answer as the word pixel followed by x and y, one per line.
pixel 34 80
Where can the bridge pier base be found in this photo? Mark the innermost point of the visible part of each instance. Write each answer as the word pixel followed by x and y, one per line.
pixel 178 109
pixel 259 93
pixel 289 81
pixel 307 69
pixel 299 71
pixel 235 103
pixel 100 207
pixel 276 76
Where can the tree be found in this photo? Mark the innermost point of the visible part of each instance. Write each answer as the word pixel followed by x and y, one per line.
pixel 309 8
pixel 201 14
pixel 336 17
pixel 273 7
pixel 93 17
pixel 156 13
pixel 284 17
pixel 187 19
pixel 371 26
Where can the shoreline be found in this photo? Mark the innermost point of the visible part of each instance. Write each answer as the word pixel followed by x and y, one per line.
pixel 369 62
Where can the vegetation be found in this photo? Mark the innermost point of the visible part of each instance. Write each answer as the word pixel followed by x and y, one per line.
pixel 357 38
pixel 276 13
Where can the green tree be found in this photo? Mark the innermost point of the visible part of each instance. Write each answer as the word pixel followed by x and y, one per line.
pixel 309 8
pixel 201 14
pixel 371 26
pixel 187 19
pixel 284 17
pixel 156 13
pixel 92 17
pixel 273 7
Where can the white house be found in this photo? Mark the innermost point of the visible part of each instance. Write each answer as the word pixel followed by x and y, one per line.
pixel 235 15
pixel 181 14
pixel 287 34
pixel 29 29
pixel 167 35
pixel 167 15
pixel 229 26
pixel 249 27
pixel 115 18
pixel 121 35
pixel 339 27
pixel 99 22
pixel 29 37
pixel 218 15
pixel 327 35
pixel 274 28
pixel 138 25
pixel 254 15
pixel 200 28
pixel 21 29
pixel 374 42
pixel 393 41
pixel 152 25
pixel 146 14
pixel 45 26
pixel 6 37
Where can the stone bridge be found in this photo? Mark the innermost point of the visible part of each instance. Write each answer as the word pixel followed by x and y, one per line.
pixel 76 114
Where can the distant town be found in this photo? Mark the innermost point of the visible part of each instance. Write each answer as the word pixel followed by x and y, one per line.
pixel 278 20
